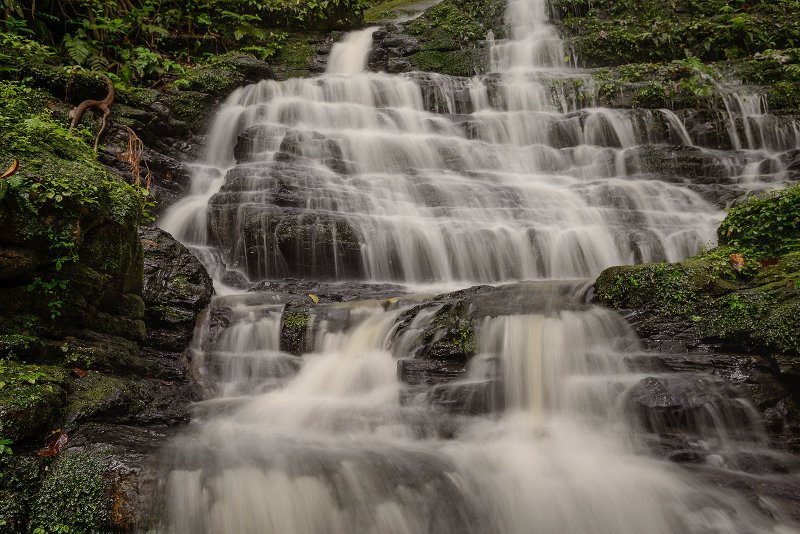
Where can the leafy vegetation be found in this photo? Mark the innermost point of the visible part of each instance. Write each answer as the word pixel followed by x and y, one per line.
pixel 139 42
pixel 768 223
pixel 613 32
pixel 737 294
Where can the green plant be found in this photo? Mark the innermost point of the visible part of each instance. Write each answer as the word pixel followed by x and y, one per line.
pixel 53 291
pixel 768 223
pixel 55 529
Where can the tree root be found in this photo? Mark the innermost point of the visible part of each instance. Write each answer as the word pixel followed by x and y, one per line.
pixel 103 105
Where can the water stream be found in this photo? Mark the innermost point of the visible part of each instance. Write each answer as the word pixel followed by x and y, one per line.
pixel 439 182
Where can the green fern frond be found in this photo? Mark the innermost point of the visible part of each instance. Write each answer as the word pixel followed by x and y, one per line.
pixel 77 49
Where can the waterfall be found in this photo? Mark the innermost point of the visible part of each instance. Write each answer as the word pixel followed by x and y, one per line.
pixel 434 181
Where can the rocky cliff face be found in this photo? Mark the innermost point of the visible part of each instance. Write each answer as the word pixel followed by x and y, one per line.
pixel 92 372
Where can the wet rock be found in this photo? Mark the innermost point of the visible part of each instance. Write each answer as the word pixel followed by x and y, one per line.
pixel 15 261
pixel 468 397
pixel 97 397
pixel 271 242
pixel 690 403
pixel 709 173
pixel 177 287
pixel 428 372
pixel 104 480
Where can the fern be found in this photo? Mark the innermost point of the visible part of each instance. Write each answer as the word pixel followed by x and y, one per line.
pixel 77 49
pixel 792 70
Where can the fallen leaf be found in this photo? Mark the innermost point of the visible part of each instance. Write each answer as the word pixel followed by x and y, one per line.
pixel 768 261
pixel 148 375
pixel 165 382
pixel 80 373
pixel 314 298
pixel 602 34
pixel 53 446
pixel 737 261
pixel 11 170
pixel 149 243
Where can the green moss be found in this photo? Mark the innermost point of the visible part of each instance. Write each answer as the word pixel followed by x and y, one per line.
pixel 452 333
pixel 74 493
pixel 294 58
pixel 750 307
pixel 97 396
pixel 192 107
pixel 18 487
pixel 454 63
pixel 295 321
pixel 294 326
pixel 170 314
pixel 214 81
pixel 31 398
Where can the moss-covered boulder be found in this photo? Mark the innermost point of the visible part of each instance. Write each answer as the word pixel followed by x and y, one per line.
pixel 72 260
pixel 744 295
pixel 31 400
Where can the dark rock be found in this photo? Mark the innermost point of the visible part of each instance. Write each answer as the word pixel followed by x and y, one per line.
pixel 689 403
pixel 270 242
pixel 177 287
pixel 419 372
pixel 16 261
pixel 468 397
pixel 97 397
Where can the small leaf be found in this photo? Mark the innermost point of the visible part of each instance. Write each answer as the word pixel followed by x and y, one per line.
pixel 768 261
pixel 314 298
pixel 53 447
pixel 11 170
pixel 737 261
pixel 80 373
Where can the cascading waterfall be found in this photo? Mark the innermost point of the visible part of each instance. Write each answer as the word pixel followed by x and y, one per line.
pixel 434 180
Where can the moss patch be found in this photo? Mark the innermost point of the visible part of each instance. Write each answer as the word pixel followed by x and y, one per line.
pixel 31 399
pixel 74 493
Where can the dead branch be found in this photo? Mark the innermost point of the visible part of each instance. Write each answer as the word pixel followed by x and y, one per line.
pixel 103 105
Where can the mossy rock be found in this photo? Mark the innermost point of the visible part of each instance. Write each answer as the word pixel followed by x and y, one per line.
pixel 739 307
pixel 97 397
pixel 295 329
pixel 74 493
pixel 454 63
pixel 31 399
pixel 18 488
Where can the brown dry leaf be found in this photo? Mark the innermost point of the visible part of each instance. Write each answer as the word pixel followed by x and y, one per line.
pixel 165 382
pixel 80 373
pixel 737 261
pixel 11 170
pixel 149 243
pixel 53 446
pixel 766 262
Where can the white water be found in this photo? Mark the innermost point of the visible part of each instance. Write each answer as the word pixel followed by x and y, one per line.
pixel 441 180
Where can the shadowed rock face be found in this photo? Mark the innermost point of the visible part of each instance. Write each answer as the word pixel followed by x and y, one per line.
pixel 176 289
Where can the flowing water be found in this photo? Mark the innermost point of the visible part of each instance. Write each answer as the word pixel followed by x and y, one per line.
pixel 435 181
